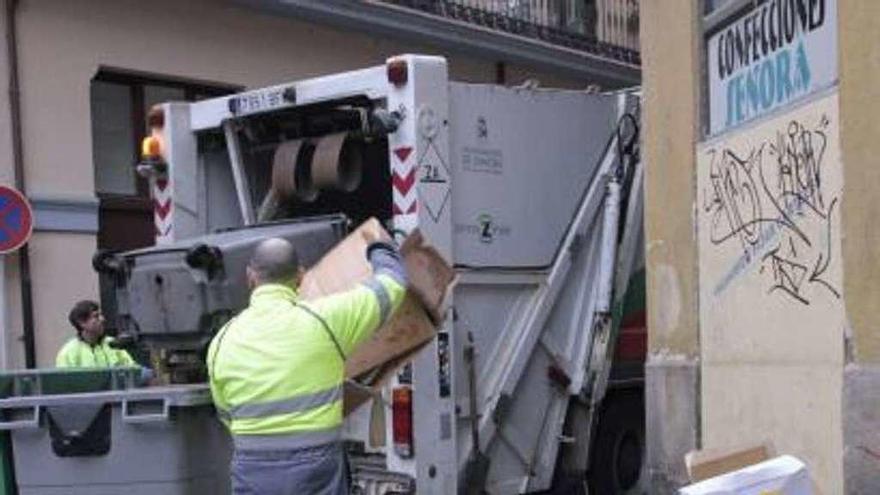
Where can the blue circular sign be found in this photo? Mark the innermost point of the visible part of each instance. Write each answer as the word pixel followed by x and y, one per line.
pixel 16 219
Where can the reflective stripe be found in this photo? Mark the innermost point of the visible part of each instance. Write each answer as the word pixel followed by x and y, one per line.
pixel 286 406
pixel 382 295
pixel 397 276
pixel 287 440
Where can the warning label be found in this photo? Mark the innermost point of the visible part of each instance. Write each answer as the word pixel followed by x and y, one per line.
pixel 484 161
pixel 434 190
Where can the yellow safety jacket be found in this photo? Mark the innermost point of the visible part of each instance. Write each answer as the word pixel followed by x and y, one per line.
pixel 277 369
pixel 77 353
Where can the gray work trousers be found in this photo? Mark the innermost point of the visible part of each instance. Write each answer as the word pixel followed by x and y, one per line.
pixel 319 470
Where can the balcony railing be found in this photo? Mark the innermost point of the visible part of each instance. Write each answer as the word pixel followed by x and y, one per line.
pixel 607 28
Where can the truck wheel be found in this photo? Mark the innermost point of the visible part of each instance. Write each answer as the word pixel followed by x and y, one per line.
pixel 616 462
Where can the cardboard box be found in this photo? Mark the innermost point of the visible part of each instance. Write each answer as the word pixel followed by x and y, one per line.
pixel 705 464
pixel 783 475
pixel 412 326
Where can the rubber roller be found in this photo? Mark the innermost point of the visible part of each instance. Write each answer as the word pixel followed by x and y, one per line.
pixel 291 171
pixel 337 163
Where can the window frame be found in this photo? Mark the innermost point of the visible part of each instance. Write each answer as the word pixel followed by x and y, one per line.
pixel 136 82
pixel 710 23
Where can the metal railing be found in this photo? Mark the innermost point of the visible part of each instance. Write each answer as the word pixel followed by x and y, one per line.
pixel 608 28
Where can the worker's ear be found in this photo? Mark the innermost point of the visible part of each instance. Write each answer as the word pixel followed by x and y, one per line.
pixel 252 280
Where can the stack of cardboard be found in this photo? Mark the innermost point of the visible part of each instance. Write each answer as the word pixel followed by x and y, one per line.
pixel 411 327
pixel 746 471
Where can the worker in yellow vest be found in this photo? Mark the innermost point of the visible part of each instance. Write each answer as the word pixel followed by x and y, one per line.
pixel 277 370
pixel 90 348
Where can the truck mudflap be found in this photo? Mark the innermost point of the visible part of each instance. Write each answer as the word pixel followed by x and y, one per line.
pixel 369 476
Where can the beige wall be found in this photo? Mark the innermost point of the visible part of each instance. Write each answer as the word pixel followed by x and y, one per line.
pixel 63 43
pixel 12 348
pixel 771 287
pixel 61 272
pixel 859 108
pixel 670 71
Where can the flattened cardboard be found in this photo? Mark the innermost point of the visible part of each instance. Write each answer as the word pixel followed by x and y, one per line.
pixel 705 464
pixel 409 329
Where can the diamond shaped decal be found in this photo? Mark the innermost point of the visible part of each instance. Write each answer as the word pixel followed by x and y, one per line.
pixel 434 189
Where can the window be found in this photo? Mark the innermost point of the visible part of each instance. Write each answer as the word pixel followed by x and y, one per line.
pixel 113 138
pixel 120 103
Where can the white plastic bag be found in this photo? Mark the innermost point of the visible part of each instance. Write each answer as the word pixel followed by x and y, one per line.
pixel 783 475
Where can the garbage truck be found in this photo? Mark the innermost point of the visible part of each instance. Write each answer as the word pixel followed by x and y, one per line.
pixel 533 380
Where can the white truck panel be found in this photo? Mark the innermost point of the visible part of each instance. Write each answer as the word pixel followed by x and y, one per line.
pixel 521 160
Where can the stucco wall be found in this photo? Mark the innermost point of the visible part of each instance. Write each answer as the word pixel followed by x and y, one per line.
pixel 771 287
pixel 61 272
pixel 670 70
pixel 859 107
pixel 670 87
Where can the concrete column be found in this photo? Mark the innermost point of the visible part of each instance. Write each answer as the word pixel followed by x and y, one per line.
pixel 859 40
pixel 670 71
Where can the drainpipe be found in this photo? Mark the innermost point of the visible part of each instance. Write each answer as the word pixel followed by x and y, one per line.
pixel 24 264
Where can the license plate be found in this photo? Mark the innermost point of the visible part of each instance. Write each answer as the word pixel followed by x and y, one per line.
pixel 257 101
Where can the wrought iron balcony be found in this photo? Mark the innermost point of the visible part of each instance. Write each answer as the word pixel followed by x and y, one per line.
pixel 607 28
pixel 596 40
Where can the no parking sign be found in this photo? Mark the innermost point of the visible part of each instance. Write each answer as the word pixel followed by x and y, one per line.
pixel 16 219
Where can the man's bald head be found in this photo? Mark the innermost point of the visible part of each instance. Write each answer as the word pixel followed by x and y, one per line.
pixel 274 262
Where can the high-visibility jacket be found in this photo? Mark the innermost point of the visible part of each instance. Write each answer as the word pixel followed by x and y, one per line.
pixel 77 353
pixel 276 371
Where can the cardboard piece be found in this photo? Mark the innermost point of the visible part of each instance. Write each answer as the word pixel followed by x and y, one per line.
pixel 783 475
pixel 412 326
pixel 705 464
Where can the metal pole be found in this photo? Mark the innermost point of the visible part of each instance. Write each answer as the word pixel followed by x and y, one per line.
pixel 241 183
pixel 27 305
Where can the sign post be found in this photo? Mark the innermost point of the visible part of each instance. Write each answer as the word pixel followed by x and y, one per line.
pixel 16 225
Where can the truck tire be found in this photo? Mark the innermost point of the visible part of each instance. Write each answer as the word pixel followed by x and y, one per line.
pixel 617 458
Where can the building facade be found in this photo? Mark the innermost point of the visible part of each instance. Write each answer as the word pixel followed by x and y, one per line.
pixel 762 264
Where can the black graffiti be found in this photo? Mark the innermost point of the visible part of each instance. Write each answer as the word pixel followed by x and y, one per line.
pixel 790 276
pixel 739 198
pixel 799 154
pixel 763 199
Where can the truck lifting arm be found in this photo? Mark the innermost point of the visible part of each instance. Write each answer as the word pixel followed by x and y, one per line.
pixel 618 172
